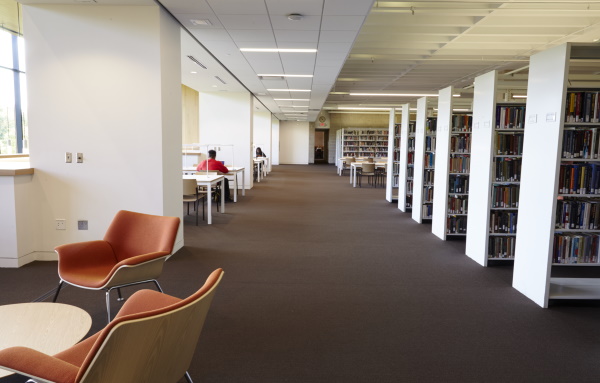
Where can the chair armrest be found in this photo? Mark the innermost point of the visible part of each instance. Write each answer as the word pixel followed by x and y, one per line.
pixel 35 364
pixel 138 259
pixel 86 253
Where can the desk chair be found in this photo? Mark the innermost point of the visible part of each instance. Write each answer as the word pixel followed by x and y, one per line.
pixel 191 194
pixel 367 169
pixel 216 190
pixel 133 251
pixel 370 160
pixel 346 165
pixel 152 340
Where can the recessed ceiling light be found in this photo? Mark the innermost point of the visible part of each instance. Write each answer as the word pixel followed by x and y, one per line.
pixel 192 72
pixel 200 22
pixel 339 93
pixel 285 75
pixel 281 50
pixel 400 94
pixel 291 99
pixel 288 90
pixel 295 16
pixel 214 86
pixel 351 108
pixel 297 106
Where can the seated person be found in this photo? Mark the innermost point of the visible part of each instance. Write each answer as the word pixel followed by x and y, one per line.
pixel 259 152
pixel 213 164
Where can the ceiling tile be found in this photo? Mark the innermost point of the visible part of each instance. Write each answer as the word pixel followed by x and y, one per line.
pixel 307 23
pixel 347 7
pixel 336 37
pixel 215 35
pixel 252 35
pixel 342 23
pixel 238 7
pixel 286 35
pixel 303 7
pixel 186 6
pixel 249 21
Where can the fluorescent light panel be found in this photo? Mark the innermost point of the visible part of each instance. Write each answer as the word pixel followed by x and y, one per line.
pixel 288 90
pixel 291 99
pixel 282 50
pixel 349 108
pixel 285 75
pixel 400 94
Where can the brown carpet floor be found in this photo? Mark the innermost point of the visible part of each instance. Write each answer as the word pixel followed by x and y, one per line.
pixel 328 283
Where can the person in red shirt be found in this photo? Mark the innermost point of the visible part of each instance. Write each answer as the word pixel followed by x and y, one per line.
pixel 213 164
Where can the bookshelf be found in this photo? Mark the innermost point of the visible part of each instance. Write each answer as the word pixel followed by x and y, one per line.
pixel 498 137
pixel 407 160
pixel 560 181
pixel 364 142
pixel 391 184
pixel 425 136
pixel 453 156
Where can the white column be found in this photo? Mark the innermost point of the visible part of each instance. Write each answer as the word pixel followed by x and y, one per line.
pixel 294 142
pixel 275 141
pixel 226 119
pixel 484 112
pixel 442 163
pixel 390 162
pixel 417 209
pixel 107 84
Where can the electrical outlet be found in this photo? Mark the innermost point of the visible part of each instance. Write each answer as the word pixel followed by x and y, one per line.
pixel 79 158
pixel 61 224
pixel 68 157
pixel 82 225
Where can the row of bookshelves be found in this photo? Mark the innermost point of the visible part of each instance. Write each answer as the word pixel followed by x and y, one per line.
pixel 579 179
pixel 582 106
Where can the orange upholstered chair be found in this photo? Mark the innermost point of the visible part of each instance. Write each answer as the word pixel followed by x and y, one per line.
pixel 133 251
pixel 152 340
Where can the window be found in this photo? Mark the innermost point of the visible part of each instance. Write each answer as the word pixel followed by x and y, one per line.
pixel 13 124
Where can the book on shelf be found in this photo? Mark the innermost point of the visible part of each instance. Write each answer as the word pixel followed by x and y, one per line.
pixel 460 163
pixel 505 196
pixel 582 106
pixel 457 205
pixel 501 247
pixel 509 144
pixel 427 211
pixel 458 184
pixel 580 143
pixel 456 224
pixel 503 222
pixel 510 117
pixel 579 179
pixel 507 169
pixel 460 144
pixel 581 214
pixel 575 248
pixel 462 122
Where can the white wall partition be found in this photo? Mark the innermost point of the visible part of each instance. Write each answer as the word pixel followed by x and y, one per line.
pixel 442 161
pixel 294 141
pixel 484 122
pixel 539 172
pixel 390 163
pixel 417 211
pixel 226 118
pixel 274 141
pixel 111 91
pixel 403 157
pixel 262 132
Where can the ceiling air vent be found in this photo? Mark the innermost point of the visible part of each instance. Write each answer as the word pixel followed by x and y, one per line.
pixel 314 110
pixel 196 61
pixel 271 77
pixel 220 79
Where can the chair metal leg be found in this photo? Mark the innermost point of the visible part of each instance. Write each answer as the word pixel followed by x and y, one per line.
pixel 58 290
pixel 108 304
pixel 188 377
pixel 157 285
pixel 120 298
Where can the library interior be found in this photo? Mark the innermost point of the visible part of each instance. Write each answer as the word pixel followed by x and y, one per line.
pixel 299 191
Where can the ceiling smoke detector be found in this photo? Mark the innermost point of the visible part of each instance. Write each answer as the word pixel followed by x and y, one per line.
pixel 295 16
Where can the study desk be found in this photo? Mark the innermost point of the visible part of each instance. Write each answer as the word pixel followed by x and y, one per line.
pixel 355 165
pixel 260 162
pixel 46 327
pixel 209 181
pixel 233 172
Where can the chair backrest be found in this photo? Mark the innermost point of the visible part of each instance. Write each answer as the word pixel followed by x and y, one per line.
pixel 349 160
pixel 190 187
pixel 155 346
pixel 370 159
pixel 368 167
pixel 132 234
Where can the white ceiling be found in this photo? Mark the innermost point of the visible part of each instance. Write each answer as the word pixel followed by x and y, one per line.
pixel 408 47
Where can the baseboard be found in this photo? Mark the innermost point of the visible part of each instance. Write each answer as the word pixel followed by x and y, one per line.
pixel 28 258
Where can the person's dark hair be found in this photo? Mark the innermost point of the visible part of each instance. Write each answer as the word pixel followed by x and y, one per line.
pixel 259 152
pixel 212 154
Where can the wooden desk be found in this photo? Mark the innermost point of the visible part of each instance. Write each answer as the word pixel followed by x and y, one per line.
pixel 355 165
pixel 233 172
pixel 208 182
pixel 46 327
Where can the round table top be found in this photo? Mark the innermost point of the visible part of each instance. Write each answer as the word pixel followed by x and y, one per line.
pixel 46 327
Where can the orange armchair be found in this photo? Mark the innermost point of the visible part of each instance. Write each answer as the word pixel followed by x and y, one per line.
pixel 133 251
pixel 152 339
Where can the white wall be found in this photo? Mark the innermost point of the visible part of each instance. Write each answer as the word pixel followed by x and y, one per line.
pixel 226 118
pixel 294 142
pixel 105 83
pixel 262 132
pixel 274 141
